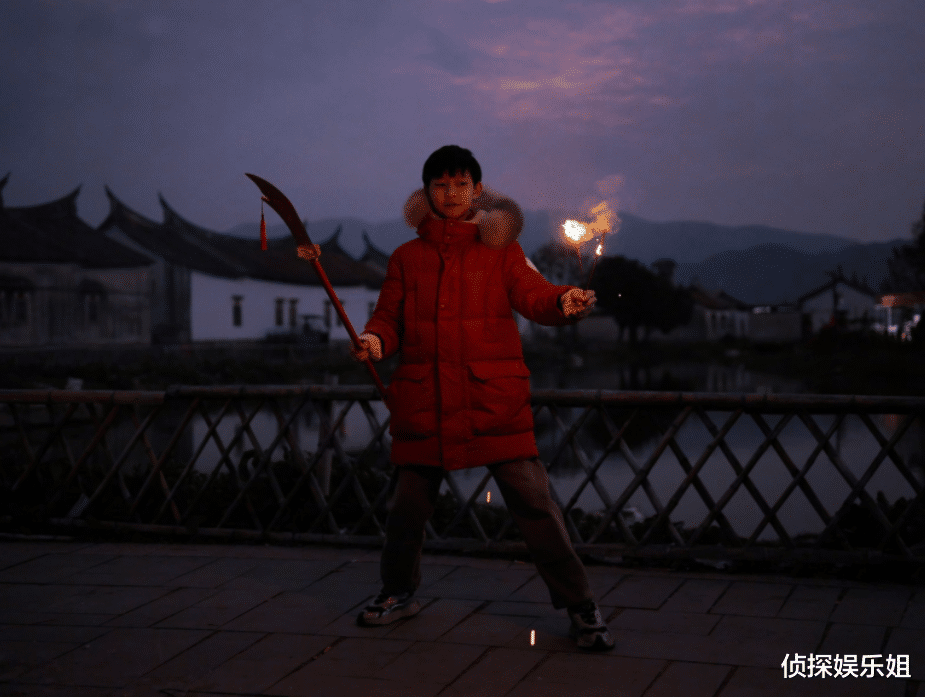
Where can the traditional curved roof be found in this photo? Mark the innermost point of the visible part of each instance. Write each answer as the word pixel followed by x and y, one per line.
pixel 835 278
pixel 183 243
pixel 167 242
pixel 720 300
pixel 373 255
pixel 332 244
pixel 53 233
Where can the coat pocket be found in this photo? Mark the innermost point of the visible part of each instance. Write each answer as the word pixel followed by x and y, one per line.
pixel 412 400
pixel 499 397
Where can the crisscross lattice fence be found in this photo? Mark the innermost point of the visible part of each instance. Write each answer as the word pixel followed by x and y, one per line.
pixel 638 473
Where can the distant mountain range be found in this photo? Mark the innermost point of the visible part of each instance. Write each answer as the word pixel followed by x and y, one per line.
pixel 754 263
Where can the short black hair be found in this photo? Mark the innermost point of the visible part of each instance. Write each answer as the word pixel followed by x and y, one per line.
pixel 451 159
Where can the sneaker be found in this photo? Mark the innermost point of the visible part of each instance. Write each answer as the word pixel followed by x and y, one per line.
pixel 388 608
pixel 588 628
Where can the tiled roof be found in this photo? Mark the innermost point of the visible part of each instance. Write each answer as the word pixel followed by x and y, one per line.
pixel 720 300
pixel 837 277
pixel 166 242
pixel 53 233
pixel 186 244
pixel 279 262
pixel 373 255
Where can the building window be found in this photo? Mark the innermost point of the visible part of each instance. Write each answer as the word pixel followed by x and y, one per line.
pixel 14 308
pixel 371 310
pixel 236 309
pixel 293 310
pixel 92 302
pixel 279 311
pixel 92 298
pixel 327 314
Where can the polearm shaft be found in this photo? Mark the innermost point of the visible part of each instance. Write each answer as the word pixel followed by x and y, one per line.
pixel 283 206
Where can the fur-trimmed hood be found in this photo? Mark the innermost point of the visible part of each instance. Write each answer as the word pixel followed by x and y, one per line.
pixel 498 227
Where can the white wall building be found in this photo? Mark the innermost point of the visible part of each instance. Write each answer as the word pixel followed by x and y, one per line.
pixel 65 285
pixel 214 287
pixel 849 302
pixel 247 308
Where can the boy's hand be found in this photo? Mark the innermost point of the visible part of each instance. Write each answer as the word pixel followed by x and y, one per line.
pixel 308 252
pixel 577 303
pixel 372 348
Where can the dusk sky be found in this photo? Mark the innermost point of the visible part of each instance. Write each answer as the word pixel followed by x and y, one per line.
pixel 803 115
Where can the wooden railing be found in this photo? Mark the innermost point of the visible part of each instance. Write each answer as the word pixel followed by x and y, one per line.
pixel 311 464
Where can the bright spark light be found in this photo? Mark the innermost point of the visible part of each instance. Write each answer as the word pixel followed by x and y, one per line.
pixel 576 232
pixel 488 497
pixel 600 249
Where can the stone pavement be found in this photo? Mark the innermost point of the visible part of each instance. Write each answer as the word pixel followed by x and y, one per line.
pixel 85 619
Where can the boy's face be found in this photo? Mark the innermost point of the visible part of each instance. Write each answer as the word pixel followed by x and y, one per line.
pixel 452 195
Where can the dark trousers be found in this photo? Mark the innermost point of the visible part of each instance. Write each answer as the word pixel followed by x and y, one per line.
pixel 525 488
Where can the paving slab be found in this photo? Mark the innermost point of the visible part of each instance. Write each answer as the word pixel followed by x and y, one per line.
pixel 290 574
pixel 214 572
pixel 750 598
pixel 135 620
pixel 696 595
pixel 58 619
pixel 437 663
pixel 496 672
pixel 219 608
pixel 475 582
pixel 533 591
pixel 689 679
pixel 120 657
pixel 503 607
pixel 87 599
pixel 14 555
pixel 663 621
pixel 18 658
pixel 262 664
pixel 52 567
pixel 853 638
pixel 173 600
pixel 909 642
pixel 338 686
pixel 642 591
pixel 914 617
pixel 135 570
pixel 491 630
pixel 768 629
pixel 204 657
pixel 353 657
pixel 765 682
pixel 50 634
pixel 862 605
pixel 810 602
pixel 435 619
pixel 600 674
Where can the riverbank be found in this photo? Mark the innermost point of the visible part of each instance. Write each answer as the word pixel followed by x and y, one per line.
pixel 846 364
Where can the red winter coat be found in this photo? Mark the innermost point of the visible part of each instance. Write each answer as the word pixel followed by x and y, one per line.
pixel 461 394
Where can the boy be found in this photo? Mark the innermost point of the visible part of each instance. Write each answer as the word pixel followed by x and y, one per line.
pixel 461 395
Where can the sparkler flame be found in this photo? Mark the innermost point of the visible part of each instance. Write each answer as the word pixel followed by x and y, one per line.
pixel 576 232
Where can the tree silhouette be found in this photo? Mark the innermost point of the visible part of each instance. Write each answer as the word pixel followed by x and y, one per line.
pixel 559 264
pixel 638 298
pixel 907 265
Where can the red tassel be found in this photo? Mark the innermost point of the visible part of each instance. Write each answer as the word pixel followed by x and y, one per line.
pixel 263 229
